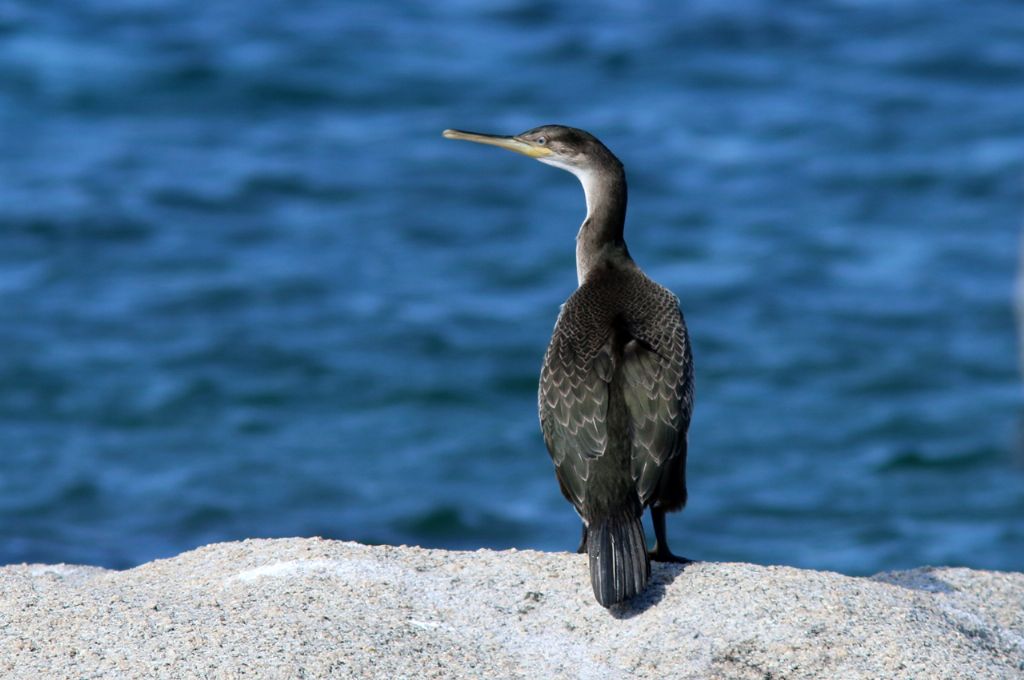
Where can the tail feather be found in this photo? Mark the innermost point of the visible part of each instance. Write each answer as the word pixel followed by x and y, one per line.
pixel 619 566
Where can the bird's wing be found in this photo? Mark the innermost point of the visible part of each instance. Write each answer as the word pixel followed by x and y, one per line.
pixel 658 370
pixel 573 397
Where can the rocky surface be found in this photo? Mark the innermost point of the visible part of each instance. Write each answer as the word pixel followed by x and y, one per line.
pixel 310 608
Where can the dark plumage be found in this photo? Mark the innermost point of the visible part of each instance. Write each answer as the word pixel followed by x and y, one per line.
pixel 616 387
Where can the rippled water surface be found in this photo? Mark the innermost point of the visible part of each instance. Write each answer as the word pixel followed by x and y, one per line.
pixel 246 289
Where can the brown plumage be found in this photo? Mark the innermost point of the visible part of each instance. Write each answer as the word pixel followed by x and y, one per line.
pixel 616 386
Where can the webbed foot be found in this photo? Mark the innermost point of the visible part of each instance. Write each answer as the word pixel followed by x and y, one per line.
pixel 663 554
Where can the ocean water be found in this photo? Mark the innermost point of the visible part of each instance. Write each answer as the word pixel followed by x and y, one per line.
pixel 247 290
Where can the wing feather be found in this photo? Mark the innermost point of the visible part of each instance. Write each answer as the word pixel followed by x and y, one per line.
pixel 573 398
pixel 658 386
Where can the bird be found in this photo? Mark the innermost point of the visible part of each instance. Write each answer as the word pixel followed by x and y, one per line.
pixel 616 386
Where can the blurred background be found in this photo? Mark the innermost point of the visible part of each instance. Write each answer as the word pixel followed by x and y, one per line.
pixel 247 290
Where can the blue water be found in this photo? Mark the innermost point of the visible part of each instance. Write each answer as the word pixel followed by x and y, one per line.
pixel 246 288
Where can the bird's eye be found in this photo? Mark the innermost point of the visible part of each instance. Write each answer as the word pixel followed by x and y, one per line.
pixel 542 140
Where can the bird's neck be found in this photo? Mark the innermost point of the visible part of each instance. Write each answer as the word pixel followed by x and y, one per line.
pixel 600 238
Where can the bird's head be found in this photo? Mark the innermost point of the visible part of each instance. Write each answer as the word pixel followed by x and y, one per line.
pixel 572 149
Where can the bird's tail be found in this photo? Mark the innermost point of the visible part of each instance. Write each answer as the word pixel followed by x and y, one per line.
pixel 619 566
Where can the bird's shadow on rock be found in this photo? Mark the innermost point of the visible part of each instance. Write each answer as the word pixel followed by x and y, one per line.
pixel 922 579
pixel 662 576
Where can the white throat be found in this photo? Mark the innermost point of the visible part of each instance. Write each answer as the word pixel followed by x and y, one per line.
pixel 588 178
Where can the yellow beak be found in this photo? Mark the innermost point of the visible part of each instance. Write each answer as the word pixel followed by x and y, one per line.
pixel 511 143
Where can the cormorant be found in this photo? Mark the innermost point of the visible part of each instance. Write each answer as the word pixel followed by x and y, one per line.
pixel 616 386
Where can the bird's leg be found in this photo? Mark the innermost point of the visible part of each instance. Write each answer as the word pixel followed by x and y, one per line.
pixel 661 553
pixel 583 541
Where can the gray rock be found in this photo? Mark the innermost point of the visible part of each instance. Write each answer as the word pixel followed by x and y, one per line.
pixel 301 608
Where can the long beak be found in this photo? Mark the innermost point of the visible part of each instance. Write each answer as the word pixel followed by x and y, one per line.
pixel 510 143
